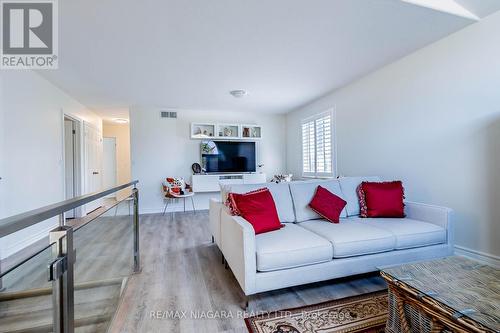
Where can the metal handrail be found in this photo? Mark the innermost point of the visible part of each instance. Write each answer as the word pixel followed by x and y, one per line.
pixel 18 222
pixel 76 227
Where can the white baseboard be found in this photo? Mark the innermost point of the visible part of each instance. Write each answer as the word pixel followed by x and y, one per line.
pixel 487 258
pixel 176 209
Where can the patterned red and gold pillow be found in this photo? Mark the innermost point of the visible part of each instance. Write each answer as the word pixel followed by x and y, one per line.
pixel 381 199
pixel 231 204
pixel 258 208
pixel 363 210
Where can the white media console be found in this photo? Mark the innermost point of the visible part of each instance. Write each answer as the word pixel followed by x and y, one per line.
pixel 210 182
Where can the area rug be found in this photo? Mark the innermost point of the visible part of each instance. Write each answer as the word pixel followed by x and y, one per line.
pixel 360 314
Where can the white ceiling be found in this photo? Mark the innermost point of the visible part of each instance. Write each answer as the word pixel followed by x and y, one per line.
pixel 188 54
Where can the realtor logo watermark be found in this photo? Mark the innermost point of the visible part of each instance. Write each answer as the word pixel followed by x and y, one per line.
pixel 29 34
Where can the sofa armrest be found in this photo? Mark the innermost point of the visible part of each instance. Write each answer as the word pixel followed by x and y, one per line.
pixel 238 247
pixel 215 207
pixel 438 215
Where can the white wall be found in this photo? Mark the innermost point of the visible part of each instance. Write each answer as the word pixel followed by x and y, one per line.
pixel 162 147
pixel 31 148
pixel 2 150
pixel 431 119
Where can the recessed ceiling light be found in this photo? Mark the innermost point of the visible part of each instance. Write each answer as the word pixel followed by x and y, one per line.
pixel 238 93
pixel 120 120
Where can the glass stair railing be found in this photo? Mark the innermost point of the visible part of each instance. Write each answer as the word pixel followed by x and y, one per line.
pixel 73 280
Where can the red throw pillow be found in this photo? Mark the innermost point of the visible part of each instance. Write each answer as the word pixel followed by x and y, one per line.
pixel 383 199
pixel 231 204
pixel 259 209
pixel 327 204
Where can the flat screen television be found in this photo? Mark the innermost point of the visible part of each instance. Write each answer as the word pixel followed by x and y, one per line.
pixel 228 156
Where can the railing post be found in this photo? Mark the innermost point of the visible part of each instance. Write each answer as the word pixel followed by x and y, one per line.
pixel 1 285
pixel 62 219
pixel 137 254
pixel 61 275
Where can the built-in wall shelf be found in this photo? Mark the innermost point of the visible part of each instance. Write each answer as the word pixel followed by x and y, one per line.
pixel 251 132
pixel 228 131
pixel 225 131
pixel 202 131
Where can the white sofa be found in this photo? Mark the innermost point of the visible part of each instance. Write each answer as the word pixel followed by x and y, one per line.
pixel 311 249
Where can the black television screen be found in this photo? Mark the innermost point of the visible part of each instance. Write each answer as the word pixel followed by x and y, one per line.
pixel 228 156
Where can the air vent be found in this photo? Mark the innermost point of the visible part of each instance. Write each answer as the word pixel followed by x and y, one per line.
pixel 168 114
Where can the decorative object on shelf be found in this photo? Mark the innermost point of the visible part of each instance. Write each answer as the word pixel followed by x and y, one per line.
pixel 282 178
pixel 209 148
pixel 200 131
pixel 196 167
pixel 228 131
pixel 251 131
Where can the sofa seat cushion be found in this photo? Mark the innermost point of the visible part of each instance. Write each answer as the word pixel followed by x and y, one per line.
pixel 281 196
pixel 410 233
pixel 351 238
pixel 289 247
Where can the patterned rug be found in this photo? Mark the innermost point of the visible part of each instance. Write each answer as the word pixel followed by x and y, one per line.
pixel 360 314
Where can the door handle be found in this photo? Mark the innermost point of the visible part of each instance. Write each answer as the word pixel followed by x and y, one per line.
pixel 95 173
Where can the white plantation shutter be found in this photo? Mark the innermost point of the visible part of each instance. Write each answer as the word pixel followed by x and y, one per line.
pixel 317 146
pixel 308 151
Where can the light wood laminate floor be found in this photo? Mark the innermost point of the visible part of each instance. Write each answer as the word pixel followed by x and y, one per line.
pixel 182 271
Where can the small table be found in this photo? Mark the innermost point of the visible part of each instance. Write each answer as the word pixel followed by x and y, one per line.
pixel 453 294
pixel 173 196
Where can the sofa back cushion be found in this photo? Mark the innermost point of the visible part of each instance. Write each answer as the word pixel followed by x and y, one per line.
pixel 280 192
pixel 303 192
pixel 349 186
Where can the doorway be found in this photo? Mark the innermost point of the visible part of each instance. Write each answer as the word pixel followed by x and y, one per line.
pixel 109 164
pixel 72 160
pixel 93 164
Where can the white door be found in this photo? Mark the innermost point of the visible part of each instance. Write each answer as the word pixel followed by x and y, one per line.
pixel 69 162
pixel 93 164
pixel 109 164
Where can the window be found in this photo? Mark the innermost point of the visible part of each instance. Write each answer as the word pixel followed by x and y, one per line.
pixel 317 146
